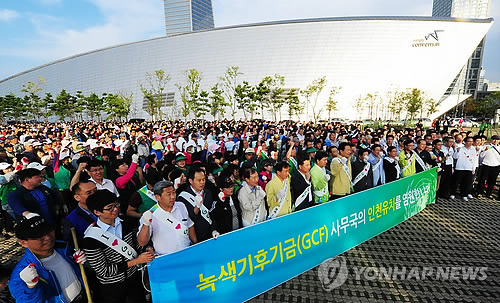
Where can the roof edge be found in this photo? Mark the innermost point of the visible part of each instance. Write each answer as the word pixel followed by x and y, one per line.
pixel 309 20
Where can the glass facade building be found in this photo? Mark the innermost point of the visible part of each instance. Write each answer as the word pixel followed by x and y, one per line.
pixel 467 80
pixel 360 54
pixel 183 16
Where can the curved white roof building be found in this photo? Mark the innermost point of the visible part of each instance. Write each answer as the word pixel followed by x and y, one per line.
pixel 360 54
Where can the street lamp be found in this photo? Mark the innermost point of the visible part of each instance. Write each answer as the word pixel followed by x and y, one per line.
pixel 458 101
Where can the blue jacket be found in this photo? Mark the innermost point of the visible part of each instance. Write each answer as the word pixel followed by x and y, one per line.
pixel 47 290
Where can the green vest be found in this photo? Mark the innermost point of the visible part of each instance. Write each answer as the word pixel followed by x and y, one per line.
pixel 147 202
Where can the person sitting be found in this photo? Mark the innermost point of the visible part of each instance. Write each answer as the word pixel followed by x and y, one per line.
pixel 48 270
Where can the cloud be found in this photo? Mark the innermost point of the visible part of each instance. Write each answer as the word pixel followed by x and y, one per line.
pixel 124 21
pixel 8 15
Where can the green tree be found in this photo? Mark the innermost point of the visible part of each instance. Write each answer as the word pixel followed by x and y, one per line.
pixel 331 105
pixel 94 106
pixel 11 107
pixel 118 106
pixel 217 102
pixel 190 94
pixel 294 105
pixel 395 103
pixel 370 99
pixel 229 82
pixel 153 91
pixel 274 97
pixel 79 105
pixel 431 106
pixel 34 103
pixel 203 105
pixel 360 106
pixel 244 99
pixel 311 93
pixel 63 105
pixel 47 102
pixel 414 99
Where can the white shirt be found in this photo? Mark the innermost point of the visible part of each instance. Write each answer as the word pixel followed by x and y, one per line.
pixel 467 159
pixel 115 230
pixel 165 239
pixel 448 153
pixel 491 157
pixel 68 281
pixel 106 184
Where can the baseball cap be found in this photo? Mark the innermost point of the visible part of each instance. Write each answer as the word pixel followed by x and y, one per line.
pixel 33 228
pixel 36 165
pixel 5 165
pixel 180 156
pixel 249 151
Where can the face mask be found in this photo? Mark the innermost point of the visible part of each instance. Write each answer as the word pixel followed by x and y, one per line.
pixel 365 158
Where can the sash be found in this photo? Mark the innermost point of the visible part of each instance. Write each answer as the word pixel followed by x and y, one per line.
pixel 174 224
pixel 420 161
pixel 111 241
pixel 409 162
pixel 362 174
pixel 302 197
pixel 294 162
pixel 374 168
pixel 346 168
pixel 398 169
pixel 203 209
pixel 277 209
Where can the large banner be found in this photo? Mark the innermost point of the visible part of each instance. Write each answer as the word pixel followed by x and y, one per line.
pixel 245 263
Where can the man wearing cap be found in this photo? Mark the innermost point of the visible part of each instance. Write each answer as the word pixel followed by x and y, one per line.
pixel 28 149
pixel 142 150
pixel 180 163
pixel 18 147
pixel 491 166
pixel 48 270
pixel 279 198
pixel 166 223
pixel 250 159
pixel 33 197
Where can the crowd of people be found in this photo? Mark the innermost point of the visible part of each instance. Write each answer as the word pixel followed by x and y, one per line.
pixel 133 191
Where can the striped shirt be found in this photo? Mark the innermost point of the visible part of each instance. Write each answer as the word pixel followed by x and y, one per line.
pixel 110 266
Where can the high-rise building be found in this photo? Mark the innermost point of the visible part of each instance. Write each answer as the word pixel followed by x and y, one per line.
pixel 183 16
pixel 467 81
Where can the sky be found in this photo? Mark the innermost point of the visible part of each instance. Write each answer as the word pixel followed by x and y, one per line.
pixel 36 32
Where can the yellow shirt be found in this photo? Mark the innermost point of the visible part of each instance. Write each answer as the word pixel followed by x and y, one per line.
pixel 272 188
pixel 341 181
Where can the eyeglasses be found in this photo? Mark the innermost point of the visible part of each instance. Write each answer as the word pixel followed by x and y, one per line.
pixel 110 209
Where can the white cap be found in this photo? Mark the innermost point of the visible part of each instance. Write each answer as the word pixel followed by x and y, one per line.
pixel 64 154
pixel 36 165
pixel 5 165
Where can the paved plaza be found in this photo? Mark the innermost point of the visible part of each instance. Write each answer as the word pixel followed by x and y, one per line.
pixel 449 233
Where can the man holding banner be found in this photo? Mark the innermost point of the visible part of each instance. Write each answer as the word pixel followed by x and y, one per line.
pixel 173 229
pixel 301 186
pixel 199 203
pixel 407 159
pixel 279 198
pixel 111 248
pixel 320 178
pixel 361 171
pixel 342 172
